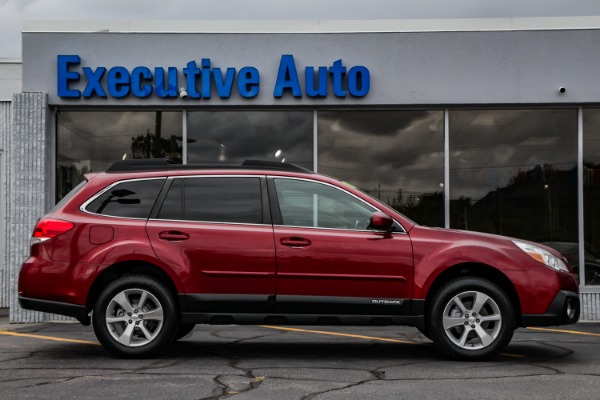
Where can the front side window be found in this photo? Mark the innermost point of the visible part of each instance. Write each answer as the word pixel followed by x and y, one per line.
pixel 315 205
pixel 214 199
pixel 131 199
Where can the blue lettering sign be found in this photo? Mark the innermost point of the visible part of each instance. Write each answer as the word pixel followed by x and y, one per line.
pixel 65 76
pixel 223 86
pixel 248 82
pixel 138 75
pixel 118 82
pixel 142 82
pixel 357 82
pixel 287 77
pixel 94 78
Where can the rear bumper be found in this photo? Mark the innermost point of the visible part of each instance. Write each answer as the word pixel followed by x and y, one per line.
pixel 563 310
pixel 70 310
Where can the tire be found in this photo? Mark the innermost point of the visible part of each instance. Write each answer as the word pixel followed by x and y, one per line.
pixel 471 319
pixel 135 317
pixel 183 330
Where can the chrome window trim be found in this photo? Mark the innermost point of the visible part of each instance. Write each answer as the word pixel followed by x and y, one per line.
pixel 193 221
pixel 83 209
pixel 344 191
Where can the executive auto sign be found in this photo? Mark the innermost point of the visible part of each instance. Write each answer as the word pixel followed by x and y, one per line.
pixel 204 81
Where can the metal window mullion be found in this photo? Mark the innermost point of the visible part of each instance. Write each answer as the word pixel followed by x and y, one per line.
pixel 580 203
pixel 315 149
pixel 184 136
pixel 446 170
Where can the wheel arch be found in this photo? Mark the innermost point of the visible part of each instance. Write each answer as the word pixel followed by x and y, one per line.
pixel 128 268
pixel 475 270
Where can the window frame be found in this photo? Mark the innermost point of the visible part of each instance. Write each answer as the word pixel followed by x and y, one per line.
pixel 83 207
pixel 276 210
pixel 265 209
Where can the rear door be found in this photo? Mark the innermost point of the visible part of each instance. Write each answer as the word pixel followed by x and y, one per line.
pixel 329 261
pixel 217 233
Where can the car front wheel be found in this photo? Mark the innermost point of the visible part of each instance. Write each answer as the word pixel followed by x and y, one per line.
pixel 471 319
pixel 135 316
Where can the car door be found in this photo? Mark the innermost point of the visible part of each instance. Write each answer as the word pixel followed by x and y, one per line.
pixel 216 230
pixel 328 260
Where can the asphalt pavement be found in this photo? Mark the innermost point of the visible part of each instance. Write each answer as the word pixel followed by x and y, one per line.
pixel 65 361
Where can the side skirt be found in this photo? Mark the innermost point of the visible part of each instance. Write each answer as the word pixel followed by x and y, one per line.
pixel 300 319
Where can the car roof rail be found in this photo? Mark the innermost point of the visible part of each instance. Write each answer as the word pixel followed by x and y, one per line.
pixel 162 164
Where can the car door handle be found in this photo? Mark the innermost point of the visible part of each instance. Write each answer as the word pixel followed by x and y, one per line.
pixel 173 235
pixel 295 242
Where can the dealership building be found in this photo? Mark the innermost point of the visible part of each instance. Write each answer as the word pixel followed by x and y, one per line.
pixel 489 125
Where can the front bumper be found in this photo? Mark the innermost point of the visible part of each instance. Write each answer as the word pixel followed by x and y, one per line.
pixel 55 307
pixel 563 310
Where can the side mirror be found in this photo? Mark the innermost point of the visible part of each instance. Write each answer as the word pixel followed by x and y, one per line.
pixel 381 221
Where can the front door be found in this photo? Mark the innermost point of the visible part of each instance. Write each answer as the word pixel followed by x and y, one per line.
pixel 329 261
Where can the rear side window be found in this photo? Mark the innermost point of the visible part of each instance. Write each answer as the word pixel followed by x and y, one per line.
pixel 214 199
pixel 131 199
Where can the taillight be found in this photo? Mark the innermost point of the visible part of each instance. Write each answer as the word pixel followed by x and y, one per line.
pixel 48 228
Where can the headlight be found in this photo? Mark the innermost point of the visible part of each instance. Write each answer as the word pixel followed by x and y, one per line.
pixel 542 256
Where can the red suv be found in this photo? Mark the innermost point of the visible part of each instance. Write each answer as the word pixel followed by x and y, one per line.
pixel 148 249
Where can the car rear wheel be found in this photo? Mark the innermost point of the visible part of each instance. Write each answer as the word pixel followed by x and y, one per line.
pixel 135 316
pixel 471 319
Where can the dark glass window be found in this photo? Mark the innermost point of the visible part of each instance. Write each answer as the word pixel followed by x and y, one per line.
pixel 172 206
pixel 591 196
pixel 223 199
pixel 133 199
pixel 514 173
pixel 316 205
pixel 395 156
pixel 234 136
pixel 91 141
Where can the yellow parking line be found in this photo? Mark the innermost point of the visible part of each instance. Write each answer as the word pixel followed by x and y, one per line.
pixel 56 339
pixel 339 334
pixel 565 331
pixel 350 335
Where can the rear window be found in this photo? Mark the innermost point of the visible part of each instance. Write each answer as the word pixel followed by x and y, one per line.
pixel 130 199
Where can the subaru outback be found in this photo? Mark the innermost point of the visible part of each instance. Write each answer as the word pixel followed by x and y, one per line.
pixel 147 250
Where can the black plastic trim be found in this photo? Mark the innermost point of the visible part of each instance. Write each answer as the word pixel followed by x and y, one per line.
pixel 55 307
pixel 557 311
pixel 299 319
pixel 301 305
pixel 341 305
pixel 161 198
pixel 274 202
pixel 224 303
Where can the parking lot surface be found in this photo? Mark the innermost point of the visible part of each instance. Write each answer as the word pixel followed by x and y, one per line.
pixel 64 361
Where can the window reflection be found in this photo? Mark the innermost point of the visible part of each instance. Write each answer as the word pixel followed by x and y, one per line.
pixel 235 136
pixel 396 156
pixel 591 194
pixel 514 172
pixel 91 141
